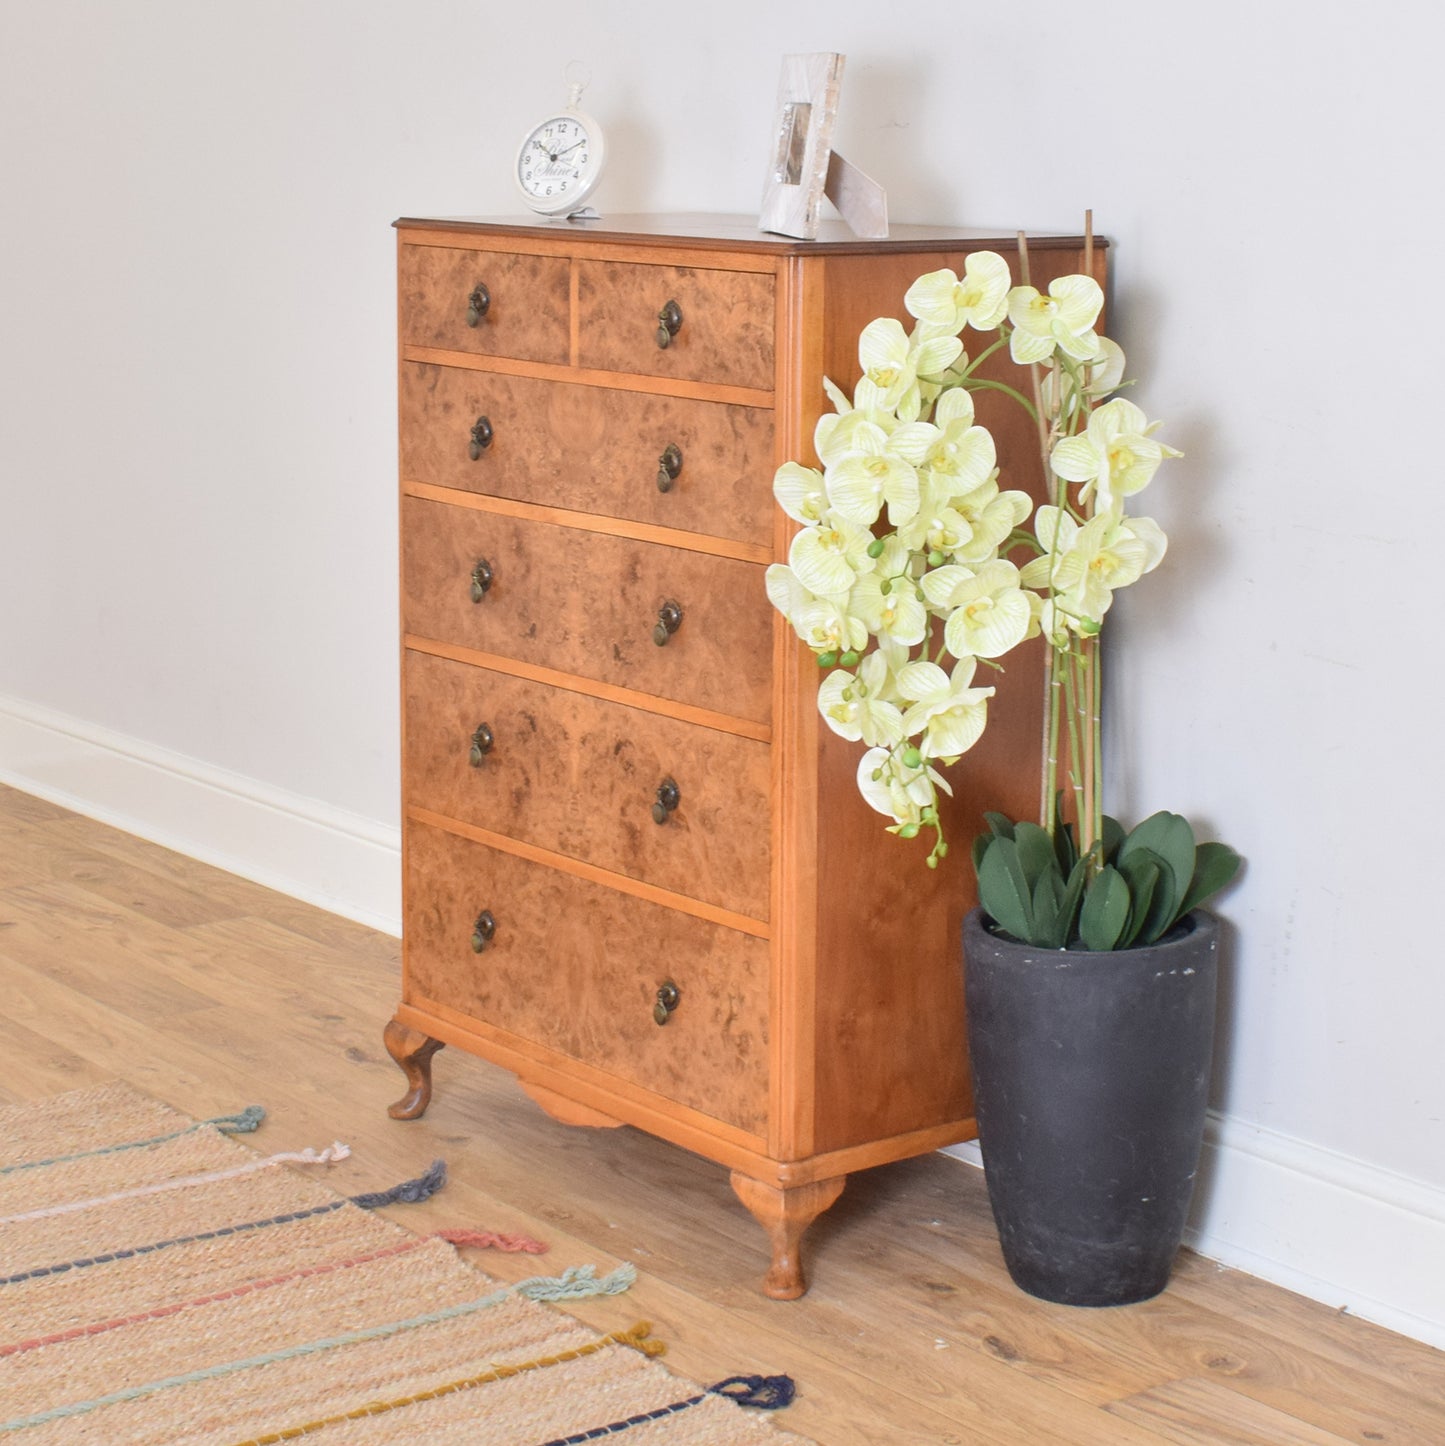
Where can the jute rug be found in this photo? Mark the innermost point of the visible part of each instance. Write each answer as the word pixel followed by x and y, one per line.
pixel 162 1282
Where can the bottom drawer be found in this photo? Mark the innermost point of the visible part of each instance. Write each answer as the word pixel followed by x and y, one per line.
pixel 577 967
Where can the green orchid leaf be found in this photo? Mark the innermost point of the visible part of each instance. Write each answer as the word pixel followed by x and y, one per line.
pixel 1048 895
pixel 1105 910
pixel 1069 906
pixel 1036 850
pixel 1168 836
pixel 1113 837
pixel 1000 825
pixel 1144 873
pixel 1003 892
pixel 1065 849
pixel 1215 864
pixel 980 847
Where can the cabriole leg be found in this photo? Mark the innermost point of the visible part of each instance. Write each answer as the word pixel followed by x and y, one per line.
pixel 412 1050
pixel 785 1213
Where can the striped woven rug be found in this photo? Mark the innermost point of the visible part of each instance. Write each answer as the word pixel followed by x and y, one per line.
pixel 162 1282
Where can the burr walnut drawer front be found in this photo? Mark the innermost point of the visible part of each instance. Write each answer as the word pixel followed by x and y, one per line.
pixel 665 621
pixel 717 326
pixel 491 303
pixel 699 466
pixel 585 971
pixel 671 803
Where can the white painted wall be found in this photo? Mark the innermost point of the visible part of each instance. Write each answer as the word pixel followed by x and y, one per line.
pixel 197 451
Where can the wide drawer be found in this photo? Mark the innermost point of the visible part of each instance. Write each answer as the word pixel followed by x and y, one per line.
pixel 590 604
pixel 699 466
pixel 584 777
pixel 491 303
pixel 725 332
pixel 576 967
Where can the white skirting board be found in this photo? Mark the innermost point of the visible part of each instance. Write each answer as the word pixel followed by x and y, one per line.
pixel 1328 1226
pixel 1324 1225
pixel 299 846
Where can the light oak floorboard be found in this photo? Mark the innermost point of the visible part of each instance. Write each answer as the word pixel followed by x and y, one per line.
pixel 121 959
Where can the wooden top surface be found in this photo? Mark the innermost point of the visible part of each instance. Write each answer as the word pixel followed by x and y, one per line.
pixel 736 232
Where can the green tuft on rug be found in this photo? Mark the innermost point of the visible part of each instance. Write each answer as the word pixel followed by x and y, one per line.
pixel 160 1281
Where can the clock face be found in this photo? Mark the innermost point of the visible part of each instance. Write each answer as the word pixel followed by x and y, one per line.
pixel 559 163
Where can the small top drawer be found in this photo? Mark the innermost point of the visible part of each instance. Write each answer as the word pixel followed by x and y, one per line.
pixel 489 303
pixel 718 324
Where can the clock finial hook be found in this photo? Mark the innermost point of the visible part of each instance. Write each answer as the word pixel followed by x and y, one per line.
pixel 578 77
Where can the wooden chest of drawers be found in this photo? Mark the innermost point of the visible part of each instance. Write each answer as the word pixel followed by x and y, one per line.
pixel 637 870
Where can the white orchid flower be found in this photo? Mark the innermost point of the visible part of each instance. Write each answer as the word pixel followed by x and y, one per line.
pixel 824 624
pixel 800 492
pixel 1103 374
pixel 1115 453
pixel 857 706
pixel 893 362
pixel 837 437
pixel 898 613
pixel 987 611
pixel 946 709
pixel 937 527
pixel 1096 379
pixel 784 590
pixel 991 516
pixel 837 396
pixel 866 406
pixel 1085 566
pixel 948 303
pixel 867 467
pixel 896 790
pixel 1063 319
pixel 830 557
pixel 1150 536
pixel 962 453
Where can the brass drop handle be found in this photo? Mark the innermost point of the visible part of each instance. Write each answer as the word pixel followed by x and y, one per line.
pixel 669 620
pixel 478 304
pixel 482 741
pixel 668 998
pixel 669 323
pixel 481 437
pixel 483 930
pixel 481 579
pixel 666 802
pixel 668 466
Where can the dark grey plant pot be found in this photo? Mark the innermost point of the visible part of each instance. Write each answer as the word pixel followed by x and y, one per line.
pixel 1091 1077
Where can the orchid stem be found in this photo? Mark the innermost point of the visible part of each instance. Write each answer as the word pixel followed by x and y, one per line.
pixel 980 384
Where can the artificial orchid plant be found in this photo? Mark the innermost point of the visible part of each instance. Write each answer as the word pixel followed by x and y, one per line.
pixel 902 581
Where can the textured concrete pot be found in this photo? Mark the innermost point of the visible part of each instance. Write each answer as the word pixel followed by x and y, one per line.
pixel 1091 1076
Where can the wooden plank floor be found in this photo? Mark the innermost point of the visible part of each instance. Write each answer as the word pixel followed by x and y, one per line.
pixel 120 959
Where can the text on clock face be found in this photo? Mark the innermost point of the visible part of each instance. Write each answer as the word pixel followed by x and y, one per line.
pixel 556 154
